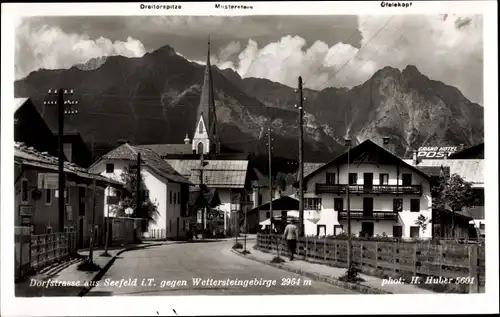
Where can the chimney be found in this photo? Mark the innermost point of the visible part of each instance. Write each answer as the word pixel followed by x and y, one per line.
pixel 187 140
pixel 415 159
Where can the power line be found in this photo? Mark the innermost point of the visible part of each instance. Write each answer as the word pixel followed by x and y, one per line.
pixel 333 76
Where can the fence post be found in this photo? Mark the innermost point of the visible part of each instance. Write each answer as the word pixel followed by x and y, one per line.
pixel 361 253
pixel 305 253
pixel 415 259
pixel 474 286
pixel 324 249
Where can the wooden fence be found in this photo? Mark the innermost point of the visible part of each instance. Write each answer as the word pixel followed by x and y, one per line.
pixel 394 259
pixel 34 252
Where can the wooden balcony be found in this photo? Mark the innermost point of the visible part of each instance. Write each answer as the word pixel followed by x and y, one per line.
pixel 369 189
pixel 375 215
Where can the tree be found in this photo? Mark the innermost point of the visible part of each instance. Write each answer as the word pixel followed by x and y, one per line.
pixel 422 222
pixel 451 194
pixel 128 198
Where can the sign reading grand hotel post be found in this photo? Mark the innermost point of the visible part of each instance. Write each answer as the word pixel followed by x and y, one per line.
pixel 435 152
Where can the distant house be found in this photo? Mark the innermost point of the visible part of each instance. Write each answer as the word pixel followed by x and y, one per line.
pixel 469 164
pixel 30 128
pixel 260 217
pixel 36 195
pixel 165 187
pixel 387 195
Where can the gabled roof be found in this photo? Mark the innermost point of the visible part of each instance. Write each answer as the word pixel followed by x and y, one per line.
pixel 470 170
pixel 29 156
pixel 149 157
pixel 473 152
pixel 366 151
pixel 169 149
pixel 19 102
pixel 217 173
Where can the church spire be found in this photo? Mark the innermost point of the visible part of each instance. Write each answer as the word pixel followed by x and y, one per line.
pixel 206 124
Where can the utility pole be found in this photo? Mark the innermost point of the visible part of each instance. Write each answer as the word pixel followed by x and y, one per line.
pixel 64 107
pixel 202 165
pixel 301 159
pixel 349 239
pixel 138 186
pixel 269 151
pixel 94 189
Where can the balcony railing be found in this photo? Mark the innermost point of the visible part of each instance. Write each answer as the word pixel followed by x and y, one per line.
pixel 369 189
pixel 374 215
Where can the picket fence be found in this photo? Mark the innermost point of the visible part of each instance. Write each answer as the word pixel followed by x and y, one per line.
pixel 34 252
pixel 392 259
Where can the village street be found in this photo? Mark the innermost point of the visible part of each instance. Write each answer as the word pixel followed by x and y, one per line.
pixel 175 269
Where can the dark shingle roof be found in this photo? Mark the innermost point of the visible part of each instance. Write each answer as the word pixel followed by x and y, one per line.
pixel 169 149
pixel 149 157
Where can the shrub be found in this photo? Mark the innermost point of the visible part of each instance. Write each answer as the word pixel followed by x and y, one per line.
pixel 237 245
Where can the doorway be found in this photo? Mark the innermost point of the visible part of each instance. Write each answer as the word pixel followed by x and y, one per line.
pixel 367 207
pixel 367 228
pixel 368 181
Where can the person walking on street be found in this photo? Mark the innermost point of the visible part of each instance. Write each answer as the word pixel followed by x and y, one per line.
pixel 290 235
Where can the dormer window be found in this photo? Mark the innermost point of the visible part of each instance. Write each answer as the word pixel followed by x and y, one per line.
pixel 110 168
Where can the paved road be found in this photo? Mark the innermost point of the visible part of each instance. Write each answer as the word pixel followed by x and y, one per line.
pixel 175 269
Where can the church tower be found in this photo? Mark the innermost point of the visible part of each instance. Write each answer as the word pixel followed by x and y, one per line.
pixel 206 137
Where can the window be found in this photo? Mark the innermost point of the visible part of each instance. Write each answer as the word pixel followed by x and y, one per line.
pixel 170 197
pixel 110 168
pixel 353 178
pixel 384 179
pixel 183 225
pixel 406 179
pixel 338 229
pixel 312 203
pixel 48 196
pixel 259 202
pixel 200 127
pixel 24 190
pixel 414 232
pixel 66 196
pixel 200 148
pixel 397 231
pixel 415 205
pixel 268 214
pixel 175 198
pixel 179 198
pixel 338 204
pixel 330 179
pixel 481 226
pixel 397 204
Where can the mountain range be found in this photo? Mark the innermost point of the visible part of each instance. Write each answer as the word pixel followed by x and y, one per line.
pixel 153 99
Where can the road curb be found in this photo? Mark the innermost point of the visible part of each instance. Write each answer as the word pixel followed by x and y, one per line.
pixel 317 277
pixel 103 271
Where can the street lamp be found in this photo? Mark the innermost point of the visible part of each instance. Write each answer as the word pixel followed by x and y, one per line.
pixel 349 241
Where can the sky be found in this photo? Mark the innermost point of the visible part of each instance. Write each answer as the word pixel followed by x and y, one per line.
pixel 327 51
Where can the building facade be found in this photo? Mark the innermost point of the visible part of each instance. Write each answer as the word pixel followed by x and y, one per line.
pixel 387 195
pixel 37 196
pixel 469 164
pixel 164 187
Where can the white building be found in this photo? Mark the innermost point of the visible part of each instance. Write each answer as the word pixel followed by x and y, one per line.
pixel 387 195
pixel 469 164
pixel 165 187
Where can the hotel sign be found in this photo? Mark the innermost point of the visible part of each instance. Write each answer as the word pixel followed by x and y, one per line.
pixel 435 152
